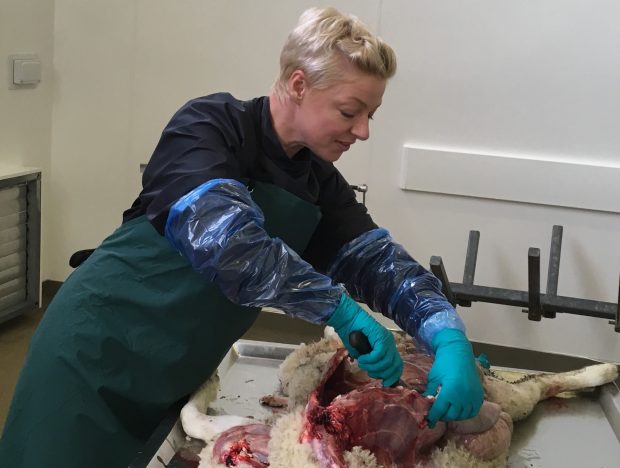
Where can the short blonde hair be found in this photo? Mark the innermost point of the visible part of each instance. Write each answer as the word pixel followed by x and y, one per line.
pixel 321 39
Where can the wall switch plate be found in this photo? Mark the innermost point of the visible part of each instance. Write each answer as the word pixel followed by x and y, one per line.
pixel 24 71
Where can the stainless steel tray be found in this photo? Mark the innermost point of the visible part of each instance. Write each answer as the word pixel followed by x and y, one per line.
pixel 577 432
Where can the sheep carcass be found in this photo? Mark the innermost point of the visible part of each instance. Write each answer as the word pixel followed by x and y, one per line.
pixel 338 416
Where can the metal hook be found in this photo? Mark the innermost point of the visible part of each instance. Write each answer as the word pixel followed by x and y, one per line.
pixel 362 188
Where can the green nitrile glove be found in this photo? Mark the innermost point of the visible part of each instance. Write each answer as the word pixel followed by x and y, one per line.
pixel 454 370
pixel 483 360
pixel 384 361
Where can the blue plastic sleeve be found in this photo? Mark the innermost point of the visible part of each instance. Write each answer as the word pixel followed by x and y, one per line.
pixel 379 272
pixel 219 229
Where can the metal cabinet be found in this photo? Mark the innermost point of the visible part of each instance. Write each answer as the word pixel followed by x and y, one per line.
pixel 20 243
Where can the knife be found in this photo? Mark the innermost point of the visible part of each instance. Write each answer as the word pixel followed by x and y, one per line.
pixel 361 344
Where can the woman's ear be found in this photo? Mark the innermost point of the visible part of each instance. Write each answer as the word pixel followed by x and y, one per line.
pixel 297 85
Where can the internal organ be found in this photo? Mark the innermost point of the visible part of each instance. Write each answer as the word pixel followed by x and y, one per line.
pixel 244 445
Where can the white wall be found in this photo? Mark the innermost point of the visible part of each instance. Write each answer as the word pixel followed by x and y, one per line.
pixel 123 68
pixel 538 80
pixel 93 111
pixel 26 27
pixel 532 79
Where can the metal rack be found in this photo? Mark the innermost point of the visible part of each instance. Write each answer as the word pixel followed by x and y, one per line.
pixel 537 304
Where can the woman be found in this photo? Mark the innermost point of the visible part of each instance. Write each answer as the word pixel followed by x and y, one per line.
pixel 241 208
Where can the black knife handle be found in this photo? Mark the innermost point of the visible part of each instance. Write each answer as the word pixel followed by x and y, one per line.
pixel 360 342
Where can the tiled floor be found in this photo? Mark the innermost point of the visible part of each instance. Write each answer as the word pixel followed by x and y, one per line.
pixel 15 336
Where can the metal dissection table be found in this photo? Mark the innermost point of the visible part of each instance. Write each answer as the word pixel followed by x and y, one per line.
pixel 578 432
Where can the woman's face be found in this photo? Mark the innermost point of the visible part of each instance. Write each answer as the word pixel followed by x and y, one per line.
pixel 330 120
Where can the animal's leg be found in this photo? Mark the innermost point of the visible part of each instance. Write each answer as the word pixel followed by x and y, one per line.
pixel 518 399
pixel 195 420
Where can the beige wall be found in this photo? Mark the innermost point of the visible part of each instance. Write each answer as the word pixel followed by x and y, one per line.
pixel 477 77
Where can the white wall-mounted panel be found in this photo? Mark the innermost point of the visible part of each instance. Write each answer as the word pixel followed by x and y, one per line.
pixel 543 182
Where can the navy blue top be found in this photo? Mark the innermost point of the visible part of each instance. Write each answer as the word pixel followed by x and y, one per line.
pixel 218 136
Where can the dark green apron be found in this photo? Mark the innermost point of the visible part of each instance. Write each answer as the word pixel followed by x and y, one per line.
pixel 132 330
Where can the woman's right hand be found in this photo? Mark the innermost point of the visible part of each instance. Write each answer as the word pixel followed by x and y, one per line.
pixel 384 361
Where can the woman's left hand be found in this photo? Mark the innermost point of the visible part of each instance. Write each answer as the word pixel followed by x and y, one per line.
pixel 454 370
